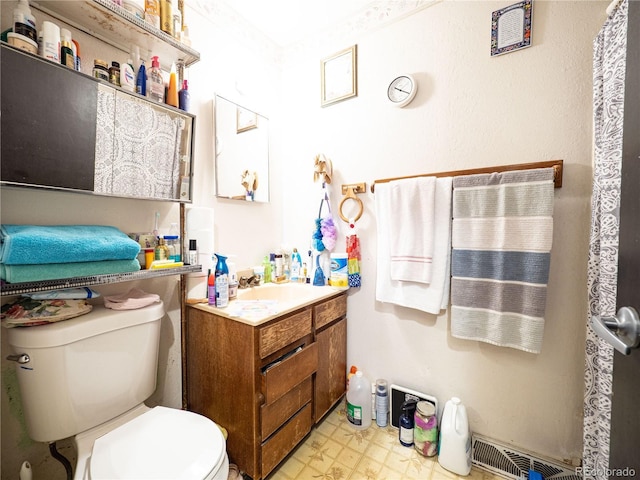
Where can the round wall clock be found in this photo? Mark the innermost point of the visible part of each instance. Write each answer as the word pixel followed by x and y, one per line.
pixel 402 90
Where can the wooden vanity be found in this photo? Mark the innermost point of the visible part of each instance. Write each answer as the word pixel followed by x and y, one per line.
pixel 267 381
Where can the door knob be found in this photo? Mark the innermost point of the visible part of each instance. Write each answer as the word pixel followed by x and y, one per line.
pixel 621 331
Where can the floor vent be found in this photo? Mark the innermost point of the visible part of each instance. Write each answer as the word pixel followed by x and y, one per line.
pixel 510 463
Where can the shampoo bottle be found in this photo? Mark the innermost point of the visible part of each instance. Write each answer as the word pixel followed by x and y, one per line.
pixel 127 76
pixel 222 282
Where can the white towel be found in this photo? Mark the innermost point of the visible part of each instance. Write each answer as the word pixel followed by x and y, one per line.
pixel 430 298
pixel 412 228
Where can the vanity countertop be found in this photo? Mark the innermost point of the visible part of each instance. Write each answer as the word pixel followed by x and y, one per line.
pixel 257 305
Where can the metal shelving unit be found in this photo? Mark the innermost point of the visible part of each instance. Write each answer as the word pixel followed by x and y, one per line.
pixel 44 285
pixel 109 22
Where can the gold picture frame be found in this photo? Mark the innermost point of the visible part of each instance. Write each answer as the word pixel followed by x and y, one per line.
pixel 245 120
pixel 339 76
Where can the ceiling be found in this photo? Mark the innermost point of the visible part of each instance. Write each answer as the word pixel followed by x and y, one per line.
pixel 289 21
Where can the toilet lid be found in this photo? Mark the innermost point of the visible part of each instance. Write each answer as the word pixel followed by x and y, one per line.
pixel 163 443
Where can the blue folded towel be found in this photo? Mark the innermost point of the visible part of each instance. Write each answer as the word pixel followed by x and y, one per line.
pixel 41 244
pixel 55 271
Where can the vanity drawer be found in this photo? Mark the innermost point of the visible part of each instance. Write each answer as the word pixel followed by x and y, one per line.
pixel 282 377
pixel 280 444
pixel 275 414
pixel 330 310
pixel 280 334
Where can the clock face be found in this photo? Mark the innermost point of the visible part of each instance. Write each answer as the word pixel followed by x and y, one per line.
pixel 402 90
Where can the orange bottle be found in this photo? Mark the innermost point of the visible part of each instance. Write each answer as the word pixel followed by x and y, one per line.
pixel 172 92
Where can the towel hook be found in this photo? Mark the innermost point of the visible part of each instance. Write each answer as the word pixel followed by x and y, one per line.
pixel 350 193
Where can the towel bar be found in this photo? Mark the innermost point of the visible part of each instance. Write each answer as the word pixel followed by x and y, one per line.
pixel 556 164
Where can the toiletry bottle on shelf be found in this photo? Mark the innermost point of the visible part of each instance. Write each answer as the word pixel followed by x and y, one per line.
pixel 24 25
pixel 184 98
pixel 172 91
pixel 222 282
pixel 192 255
pixel 127 76
pixel 78 64
pixel 152 12
pixel 359 402
pixel 66 51
pixel 296 264
pixel 161 250
pixel 141 80
pixel 156 82
pixel 166 16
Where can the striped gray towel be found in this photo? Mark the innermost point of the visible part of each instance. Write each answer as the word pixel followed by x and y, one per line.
pixel 501 239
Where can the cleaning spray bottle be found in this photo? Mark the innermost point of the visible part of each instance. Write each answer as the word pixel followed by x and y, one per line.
pixel 406 422
pixel 222 281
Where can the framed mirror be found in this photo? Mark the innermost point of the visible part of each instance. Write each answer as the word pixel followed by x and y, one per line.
pixel 241 152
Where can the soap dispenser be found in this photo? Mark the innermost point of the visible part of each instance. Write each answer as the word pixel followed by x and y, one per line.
pixel 222 281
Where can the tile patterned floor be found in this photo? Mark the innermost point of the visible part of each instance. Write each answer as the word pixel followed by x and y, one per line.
pixel 335 451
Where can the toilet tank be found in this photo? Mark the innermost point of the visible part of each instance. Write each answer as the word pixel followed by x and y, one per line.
pixel 86 370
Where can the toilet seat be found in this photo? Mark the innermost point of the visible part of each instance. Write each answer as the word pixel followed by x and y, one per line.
pixel 162 443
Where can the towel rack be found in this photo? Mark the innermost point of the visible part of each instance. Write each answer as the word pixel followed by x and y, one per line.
pixel 556 164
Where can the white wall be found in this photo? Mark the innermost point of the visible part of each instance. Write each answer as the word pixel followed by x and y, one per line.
pixel 471 110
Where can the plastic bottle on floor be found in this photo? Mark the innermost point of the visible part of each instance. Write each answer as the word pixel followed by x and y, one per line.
pixel 359 402
pixel 455 438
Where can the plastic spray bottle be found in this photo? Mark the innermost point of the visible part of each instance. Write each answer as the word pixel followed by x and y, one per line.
pixel 222 281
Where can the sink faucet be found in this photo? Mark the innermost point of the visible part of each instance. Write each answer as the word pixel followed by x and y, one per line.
pixel 246 282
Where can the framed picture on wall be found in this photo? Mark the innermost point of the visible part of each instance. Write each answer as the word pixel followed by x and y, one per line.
pixel 339 76
pixel 511 28
pixel 245 120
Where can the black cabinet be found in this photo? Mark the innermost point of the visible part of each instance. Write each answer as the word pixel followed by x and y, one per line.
pixel 48 123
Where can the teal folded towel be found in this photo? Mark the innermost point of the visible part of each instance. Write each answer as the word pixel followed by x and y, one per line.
pixel 55 271
pixel 39 244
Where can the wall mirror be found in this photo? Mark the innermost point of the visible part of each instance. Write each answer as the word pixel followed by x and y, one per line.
pixel 242 152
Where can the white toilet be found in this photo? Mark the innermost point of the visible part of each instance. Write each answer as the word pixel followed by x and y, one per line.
pixel 88 377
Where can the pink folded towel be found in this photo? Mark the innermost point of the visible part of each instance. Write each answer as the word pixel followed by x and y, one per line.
pixel 133 299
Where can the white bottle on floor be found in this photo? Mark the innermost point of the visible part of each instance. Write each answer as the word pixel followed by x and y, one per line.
pixel 455 438
pixel 359 402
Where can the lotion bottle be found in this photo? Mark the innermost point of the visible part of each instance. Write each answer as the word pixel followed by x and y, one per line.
pixel 156 82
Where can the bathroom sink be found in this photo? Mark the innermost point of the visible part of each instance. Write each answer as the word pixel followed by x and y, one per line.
pixel 285 292
pixel 256 305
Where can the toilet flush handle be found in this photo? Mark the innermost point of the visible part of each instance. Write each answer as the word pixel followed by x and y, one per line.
pixel 21 358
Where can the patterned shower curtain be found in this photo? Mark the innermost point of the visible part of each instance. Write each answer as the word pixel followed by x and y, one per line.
pixel 608 97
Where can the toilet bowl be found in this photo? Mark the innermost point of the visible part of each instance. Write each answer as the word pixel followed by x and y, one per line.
pixel 153 443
